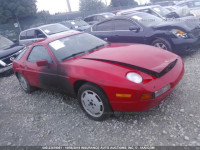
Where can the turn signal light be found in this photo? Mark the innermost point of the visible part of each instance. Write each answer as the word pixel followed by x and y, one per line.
pixel 123 95
pixel 146 96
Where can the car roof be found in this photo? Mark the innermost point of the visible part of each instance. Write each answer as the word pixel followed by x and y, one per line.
pixel 185 1
pixel 56 37
pixel 39 27
pixel 139 8
pixel 128 15
pixel 99 14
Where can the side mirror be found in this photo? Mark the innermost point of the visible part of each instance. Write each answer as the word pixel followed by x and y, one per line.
pixel 134 28
pixel 42 63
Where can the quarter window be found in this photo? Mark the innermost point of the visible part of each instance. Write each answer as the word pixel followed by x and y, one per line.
pixel 39 53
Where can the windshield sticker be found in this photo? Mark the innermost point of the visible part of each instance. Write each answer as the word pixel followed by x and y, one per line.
pixel 46 31
pixel 73 23
pixel 57 45
pixel 137 17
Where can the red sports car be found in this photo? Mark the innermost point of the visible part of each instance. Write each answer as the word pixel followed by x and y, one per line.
pixel 105 77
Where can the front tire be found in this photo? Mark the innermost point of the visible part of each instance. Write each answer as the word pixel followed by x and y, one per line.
pixel 94 102
pixel 26 87
pixel 162 43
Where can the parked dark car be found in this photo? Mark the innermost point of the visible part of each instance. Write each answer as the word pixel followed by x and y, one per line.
pixel 155 10
pixel 176 36
pixel 166 3
pixel 98 17
pixel 8 52
pixel 78 25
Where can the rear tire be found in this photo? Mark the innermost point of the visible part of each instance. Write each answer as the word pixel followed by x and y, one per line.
pixel 26 87
pixel 94 102
pixel 162 43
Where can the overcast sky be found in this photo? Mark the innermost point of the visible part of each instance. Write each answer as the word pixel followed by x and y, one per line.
pixel 55 6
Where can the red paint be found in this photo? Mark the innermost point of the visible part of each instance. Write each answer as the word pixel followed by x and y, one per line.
pixel 111 77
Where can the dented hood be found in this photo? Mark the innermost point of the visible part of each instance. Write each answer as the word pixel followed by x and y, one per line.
pixel 145 58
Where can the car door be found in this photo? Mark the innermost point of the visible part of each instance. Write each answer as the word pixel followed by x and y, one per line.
pixel 40 76
pixel 104 30
pixel 123 32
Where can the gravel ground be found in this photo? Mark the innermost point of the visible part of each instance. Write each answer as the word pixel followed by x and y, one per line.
pixel 50 118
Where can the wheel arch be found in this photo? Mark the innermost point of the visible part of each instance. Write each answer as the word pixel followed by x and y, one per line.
pixel 79 83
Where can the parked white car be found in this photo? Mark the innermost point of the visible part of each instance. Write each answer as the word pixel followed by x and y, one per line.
pixel 32 35
pixel 193 5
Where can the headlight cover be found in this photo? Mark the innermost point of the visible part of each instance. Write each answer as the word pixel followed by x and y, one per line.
pixel 179 33
pixel 134 77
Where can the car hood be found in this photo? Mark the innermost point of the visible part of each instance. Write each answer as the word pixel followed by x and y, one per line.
pixel 188 23
pixel 83 28
pixel 140 57
pixel 9 51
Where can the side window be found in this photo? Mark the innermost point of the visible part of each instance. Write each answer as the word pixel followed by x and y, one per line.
pixel 87 19
pixel 93 18
pixel 23 35
pixel 104 26
pixel 39 53
pixel 30 34
pixel 39 34
pixel 100 18
pixel 190 4
pixel 123 25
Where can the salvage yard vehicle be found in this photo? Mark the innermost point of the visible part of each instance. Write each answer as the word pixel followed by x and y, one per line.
pixel 8 52
pixel 155 10
pixel 79 25
pixel 32 35
pixel 105 77
pixel 92 19
pixel 176 36
pixel 166 3
pixel 193 5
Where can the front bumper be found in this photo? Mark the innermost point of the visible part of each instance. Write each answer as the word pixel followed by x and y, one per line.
pixel 172 78
pixel 185 45
pixel 6 69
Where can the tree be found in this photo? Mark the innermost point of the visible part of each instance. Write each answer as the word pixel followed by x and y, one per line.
pixel 13 10
pixel 118 3
pixel 88 5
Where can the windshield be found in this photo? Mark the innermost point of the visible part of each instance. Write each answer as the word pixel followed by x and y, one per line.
pixel 147 19
pixel 78 23
pixel 75 44
pixel 54 28
pixel 162 11
pixel 5 43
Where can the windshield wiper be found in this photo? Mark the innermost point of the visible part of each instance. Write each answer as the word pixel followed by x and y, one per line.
pixel 99 46
pixel 73 55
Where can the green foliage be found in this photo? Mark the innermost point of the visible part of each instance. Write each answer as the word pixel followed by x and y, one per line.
pixel 11 10
pixel 88 5
pixel 119 3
